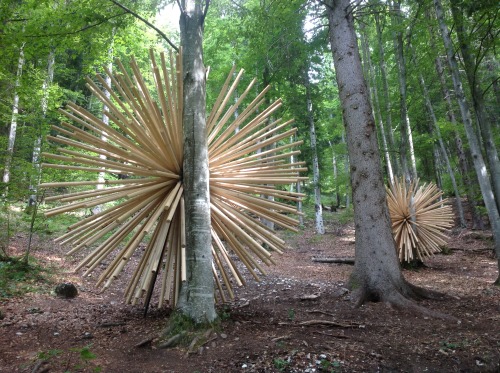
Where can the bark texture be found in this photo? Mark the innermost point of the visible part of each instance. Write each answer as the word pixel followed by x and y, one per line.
pixel 197 293
pixel 377 273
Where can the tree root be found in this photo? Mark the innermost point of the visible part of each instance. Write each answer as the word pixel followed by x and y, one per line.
pixel 399 302
pixel 418 293
pixel 403 299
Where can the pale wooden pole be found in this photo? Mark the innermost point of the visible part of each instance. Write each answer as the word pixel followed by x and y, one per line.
pixel 144 144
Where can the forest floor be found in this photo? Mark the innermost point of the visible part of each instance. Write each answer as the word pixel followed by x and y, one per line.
pixel 299 318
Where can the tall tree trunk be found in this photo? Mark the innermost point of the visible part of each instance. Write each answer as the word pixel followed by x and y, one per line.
pixel 346 169
pixel 13 122
pixel 478 101
pixel 197 294
pixel 385 89
pixel 299 204
pixel 477 221
pixel 377 273
pixel 477 157
pixel 105 111
pixel 318 217
pixel 37 147
pixel 442 148
pixel 406 145
pixel 370 74
pixel 335 176
pixel 298 189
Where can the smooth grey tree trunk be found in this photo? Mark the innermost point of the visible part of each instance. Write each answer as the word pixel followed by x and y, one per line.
pixel 335 176
pixel 370 75
pixel 346 170
pixel 477 221
pixel 197 292
pixel 13 122
pixel 297 186
pixel 406 146
pixel 478 102
pixel 442 148
pixel 377 273
pixel 385 90
pixel 105 120
pixel 37 147
pixel 318 211
pixel 477 157
pixel 299 204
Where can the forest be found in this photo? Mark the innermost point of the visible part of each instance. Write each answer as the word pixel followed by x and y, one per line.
pixel 249 186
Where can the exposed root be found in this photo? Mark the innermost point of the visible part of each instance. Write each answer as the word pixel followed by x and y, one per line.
pixel 398 301
pixel 404 299
pixel 418 293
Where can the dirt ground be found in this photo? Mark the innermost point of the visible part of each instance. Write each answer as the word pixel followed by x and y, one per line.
pixel 299 318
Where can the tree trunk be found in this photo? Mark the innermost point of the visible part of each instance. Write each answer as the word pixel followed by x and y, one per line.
pixel 477 221
pixel 335 176
pixel 13 122
pixel 297 188
pixel 442 148
pixel 299 204
pixel 477 157
pixel 478 102
pixel 197 293
pixel 385 88
pixel 105 117
pixel 370 73
pixel 318 217
pixel 377 272
pixel 405 129
pixel 37 147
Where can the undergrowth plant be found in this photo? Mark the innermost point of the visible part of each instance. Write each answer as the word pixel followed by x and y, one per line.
pixel 74 359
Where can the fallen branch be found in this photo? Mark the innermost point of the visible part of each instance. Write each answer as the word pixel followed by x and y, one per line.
pixel 317 322
pixel 341 336
pixel 321 312
pixel 283 337
pixel 110 324
pixel 334 260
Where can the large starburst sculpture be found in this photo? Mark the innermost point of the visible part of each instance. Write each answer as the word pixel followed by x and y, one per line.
pixel 248 159
pixel 419 219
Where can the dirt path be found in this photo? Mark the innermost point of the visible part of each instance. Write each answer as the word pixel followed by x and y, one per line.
pixel 297 319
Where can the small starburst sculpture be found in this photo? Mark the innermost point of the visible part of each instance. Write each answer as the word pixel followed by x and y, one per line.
pixel 248 159
pixel 419 219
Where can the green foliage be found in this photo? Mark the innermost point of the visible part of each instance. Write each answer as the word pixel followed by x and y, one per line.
pixel 18 277
pixel 326 365
pixel 280 364
pixel 345 216
pixel 74 359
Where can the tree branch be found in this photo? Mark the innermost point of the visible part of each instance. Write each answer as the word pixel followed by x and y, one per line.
pixel 162 34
